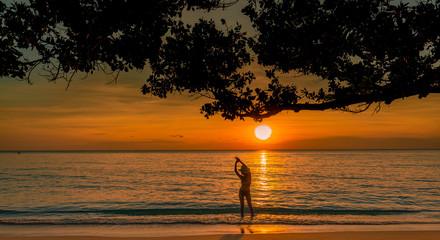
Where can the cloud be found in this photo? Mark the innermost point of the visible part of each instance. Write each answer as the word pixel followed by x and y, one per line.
pixel 177 136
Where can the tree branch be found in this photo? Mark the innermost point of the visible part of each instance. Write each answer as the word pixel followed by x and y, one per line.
pixel 335 104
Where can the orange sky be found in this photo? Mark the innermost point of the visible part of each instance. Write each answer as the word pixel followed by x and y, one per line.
pixel 91 115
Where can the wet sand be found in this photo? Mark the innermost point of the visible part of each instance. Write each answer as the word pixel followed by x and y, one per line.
pixel 369 235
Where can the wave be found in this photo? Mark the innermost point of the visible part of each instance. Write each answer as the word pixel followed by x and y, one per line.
pixel 226 220
pixel 228 215
pixel 215 211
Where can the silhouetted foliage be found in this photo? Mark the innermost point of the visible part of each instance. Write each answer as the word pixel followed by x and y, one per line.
pixel 367 51
pixel 84 35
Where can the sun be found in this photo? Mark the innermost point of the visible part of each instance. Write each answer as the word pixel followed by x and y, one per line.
pixel 263 132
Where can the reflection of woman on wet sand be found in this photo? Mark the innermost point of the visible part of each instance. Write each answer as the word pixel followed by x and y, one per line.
pixel 245 189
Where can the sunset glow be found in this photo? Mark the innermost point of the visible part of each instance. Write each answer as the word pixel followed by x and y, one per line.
pixel 93 115
pixel 251 120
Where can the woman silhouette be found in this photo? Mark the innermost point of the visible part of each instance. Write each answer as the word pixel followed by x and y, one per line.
pixel 245 189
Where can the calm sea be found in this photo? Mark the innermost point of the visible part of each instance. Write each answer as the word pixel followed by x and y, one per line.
pixel 200 187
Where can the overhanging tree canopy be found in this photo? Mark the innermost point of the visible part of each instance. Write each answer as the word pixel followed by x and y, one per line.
pixel 366 51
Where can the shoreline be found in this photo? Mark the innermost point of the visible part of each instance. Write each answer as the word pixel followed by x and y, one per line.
pixel 371 235
pixel 33 232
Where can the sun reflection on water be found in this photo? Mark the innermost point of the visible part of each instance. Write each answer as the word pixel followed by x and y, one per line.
pixel 262 180
pixel 263 158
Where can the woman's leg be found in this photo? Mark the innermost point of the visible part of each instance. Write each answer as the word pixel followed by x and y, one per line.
pixel 241 196
pixel 249 202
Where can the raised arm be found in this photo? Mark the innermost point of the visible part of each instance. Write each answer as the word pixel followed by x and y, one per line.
pixel 238 160
pixel 235 167
pixel 241 161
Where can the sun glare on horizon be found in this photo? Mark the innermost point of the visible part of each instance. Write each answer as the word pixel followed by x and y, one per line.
pixel 263 132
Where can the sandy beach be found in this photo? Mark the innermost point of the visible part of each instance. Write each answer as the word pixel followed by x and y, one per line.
pixel 380 235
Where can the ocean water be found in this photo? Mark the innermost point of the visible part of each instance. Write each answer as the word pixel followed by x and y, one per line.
pixel 339 187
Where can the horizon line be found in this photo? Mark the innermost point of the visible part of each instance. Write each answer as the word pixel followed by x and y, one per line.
pixel 201 150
